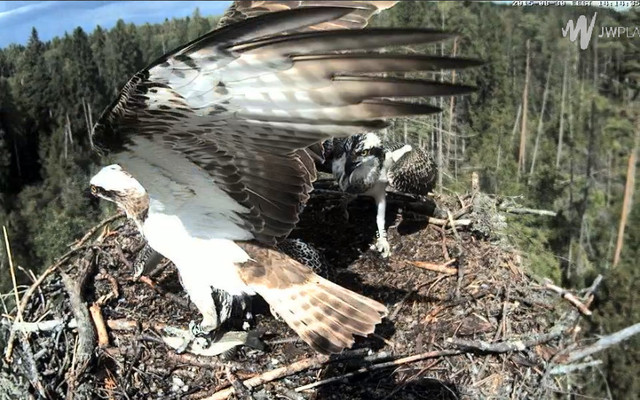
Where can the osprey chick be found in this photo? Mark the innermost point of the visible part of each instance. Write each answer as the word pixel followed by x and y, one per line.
pixel 363 165
pixel 213 147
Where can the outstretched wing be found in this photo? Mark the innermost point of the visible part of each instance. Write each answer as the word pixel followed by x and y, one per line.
pixel 225 120
pixel 358 18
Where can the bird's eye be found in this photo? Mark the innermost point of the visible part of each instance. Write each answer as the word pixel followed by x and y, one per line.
pixel 94 190
pixel 364 153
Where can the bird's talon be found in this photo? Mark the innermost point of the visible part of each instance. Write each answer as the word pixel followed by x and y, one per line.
pixel 382 246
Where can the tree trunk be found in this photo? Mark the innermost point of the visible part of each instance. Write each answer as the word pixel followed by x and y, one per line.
pixel 523 129
pixel 439 133
pixel 607 198
pixel 540 123
pixel 451 106
pixel 515 123
pixel 564 96
pixel 628 194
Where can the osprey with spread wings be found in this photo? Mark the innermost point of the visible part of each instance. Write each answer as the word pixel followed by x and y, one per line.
pixel 212 148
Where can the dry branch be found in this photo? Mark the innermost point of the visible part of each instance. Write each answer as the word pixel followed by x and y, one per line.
pixel 93 230
pixel 86 335
pixel 604 343
pixel 278 373
pixel 515 210
pixel 506 346
pixel 11 269
pixel 442 268
pixel 42 326
pixel 567 296
pixel 98 321
pixel 565 369
pixel 400 361
pixel 445 223
pixel 30 366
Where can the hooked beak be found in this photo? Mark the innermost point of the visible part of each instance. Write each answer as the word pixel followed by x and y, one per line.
pixel 88 194
pixel 350 166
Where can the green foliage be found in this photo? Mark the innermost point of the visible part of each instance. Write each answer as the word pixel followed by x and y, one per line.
pixel 531 237
pixel 618 310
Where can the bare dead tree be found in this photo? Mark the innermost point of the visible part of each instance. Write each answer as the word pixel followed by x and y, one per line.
pixel 68 137
pixel 440 156
pixel 540 120
pixel 88 119
pixel 523 128
pixel 451 104
pixel 628 193
pixel 564 96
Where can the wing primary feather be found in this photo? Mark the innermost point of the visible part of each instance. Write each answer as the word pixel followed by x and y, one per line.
pixel 323 41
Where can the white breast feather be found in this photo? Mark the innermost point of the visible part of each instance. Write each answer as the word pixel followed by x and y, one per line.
pixel 190 221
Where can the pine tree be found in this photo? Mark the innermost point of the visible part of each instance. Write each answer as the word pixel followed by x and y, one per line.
pixel 197 26
pixel 33 81
pixel 123 57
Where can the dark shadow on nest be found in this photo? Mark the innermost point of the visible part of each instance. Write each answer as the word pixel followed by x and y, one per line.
pixel 383 384
pixel 345 238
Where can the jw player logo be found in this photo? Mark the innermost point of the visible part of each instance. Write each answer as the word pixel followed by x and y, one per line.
pixel 580 29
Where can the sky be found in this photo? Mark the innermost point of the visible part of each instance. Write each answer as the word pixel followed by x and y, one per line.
pixel 54 18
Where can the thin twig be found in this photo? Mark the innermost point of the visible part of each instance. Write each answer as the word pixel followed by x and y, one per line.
pixel 96 228
pixel 453 226
pixel 29 293
pixel 302 365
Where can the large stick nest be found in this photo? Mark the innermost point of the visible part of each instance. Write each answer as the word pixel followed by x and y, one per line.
pixel 460 301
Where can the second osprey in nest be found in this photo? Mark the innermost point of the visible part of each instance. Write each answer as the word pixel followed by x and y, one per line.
pixel 363 165
pixel 212 149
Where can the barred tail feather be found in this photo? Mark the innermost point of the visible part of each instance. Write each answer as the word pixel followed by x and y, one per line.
pixel 325 315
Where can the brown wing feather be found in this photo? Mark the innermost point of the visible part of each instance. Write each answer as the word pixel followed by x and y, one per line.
pixel 324 314
pixel 357 19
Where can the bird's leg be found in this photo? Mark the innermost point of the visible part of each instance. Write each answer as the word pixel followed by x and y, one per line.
pixel 200 293
pixel 382 245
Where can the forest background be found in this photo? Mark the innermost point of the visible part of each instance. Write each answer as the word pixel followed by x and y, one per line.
pixel 552 126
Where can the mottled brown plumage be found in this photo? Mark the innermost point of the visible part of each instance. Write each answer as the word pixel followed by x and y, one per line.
pixel 324 314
